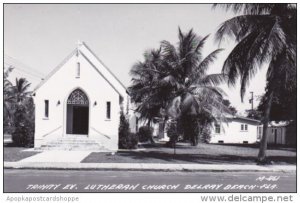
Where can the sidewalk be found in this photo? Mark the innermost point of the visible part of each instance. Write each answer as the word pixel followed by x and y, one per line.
pixel 148 167
pixel 57 156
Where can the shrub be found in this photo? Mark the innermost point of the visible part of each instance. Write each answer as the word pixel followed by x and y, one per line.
pixel 205 134
pixel 130 141
pixel 23 134
pixel 145 134
pixel 127 140
pixel 191 129
pixel 172 133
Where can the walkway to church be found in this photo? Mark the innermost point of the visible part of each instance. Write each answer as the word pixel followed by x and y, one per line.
pixel 58 156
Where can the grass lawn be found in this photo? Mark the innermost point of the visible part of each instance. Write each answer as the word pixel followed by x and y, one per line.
pixel 12 154
pixel 202 154
pixel 185 154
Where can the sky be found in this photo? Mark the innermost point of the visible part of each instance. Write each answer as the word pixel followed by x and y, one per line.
pixel 37 37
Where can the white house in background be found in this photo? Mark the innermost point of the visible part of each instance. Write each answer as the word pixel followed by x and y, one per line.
pixel 77 106
pixel 236 130
pixel 277 132
pixel 159 129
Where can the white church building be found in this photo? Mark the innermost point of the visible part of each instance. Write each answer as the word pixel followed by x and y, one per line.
pixel 77 106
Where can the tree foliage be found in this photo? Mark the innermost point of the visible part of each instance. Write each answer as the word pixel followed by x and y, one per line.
pixel 265 34
pixel 127 140
pixel 23 134
pixel 8 100
pixel 18 110
pixel 232 109
pixel 284 103
pixel 145 133
pixel 174 80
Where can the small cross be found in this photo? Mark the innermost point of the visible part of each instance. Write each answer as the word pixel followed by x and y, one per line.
pixel 79 43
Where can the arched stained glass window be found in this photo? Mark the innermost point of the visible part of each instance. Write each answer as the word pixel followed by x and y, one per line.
pixel 78 97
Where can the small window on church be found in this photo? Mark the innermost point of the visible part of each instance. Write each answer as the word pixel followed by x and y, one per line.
pixel 108 110
pixel 46 109
pixel 78 70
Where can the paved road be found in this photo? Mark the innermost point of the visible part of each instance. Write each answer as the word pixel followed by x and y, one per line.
pixel 17 180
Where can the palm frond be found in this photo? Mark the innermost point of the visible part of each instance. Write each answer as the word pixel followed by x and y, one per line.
pixel 251 9
pixel 200 44
pixel 240 26
pixel 204 64
pixel 169 51
pixel 213 79
pixel 236 61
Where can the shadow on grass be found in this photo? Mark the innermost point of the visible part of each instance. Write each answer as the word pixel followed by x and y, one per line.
pixel 257 145
pixel 13 153
pixel 9 144
pixel 253 146
pixel 185 158
pixel 162 157
pixel 162 145
pixel 159 153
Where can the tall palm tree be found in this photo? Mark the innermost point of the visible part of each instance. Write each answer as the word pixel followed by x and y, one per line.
pixel 194 93
pixel 174 79
pixel 265 34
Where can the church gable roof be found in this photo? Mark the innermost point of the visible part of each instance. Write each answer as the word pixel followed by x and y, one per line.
pixel 100 67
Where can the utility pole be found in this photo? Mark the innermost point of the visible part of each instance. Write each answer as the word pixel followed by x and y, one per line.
pixel 251 100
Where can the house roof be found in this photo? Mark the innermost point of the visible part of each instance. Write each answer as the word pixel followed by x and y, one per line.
pixel 243 118
pixel 278 124
pixel 88 54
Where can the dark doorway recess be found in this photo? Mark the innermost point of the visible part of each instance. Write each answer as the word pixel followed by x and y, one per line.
pixel 77 113
pixel 80 120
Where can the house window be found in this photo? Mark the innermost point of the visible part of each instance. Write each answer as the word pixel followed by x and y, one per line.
pixel 217 128
pixel 46 115
pixel 244 127
pixel 78 70
pixel 108 110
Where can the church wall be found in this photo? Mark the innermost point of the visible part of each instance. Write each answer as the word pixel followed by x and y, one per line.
pixel 58 88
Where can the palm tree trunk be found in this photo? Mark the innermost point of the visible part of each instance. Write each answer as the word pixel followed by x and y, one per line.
pixel 151 137
pixel 164 124
pixel 262 156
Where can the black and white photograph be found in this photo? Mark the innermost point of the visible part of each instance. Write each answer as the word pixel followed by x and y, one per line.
pixel 150 98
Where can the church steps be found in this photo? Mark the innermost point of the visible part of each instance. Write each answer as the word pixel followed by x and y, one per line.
pixel 79 144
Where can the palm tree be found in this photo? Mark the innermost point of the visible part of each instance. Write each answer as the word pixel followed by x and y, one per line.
pixel 145 92
pixel 195 94
pixel 174 79
pixel 8 97
pixel 20 90
pixel 23 113
pixel 265 34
